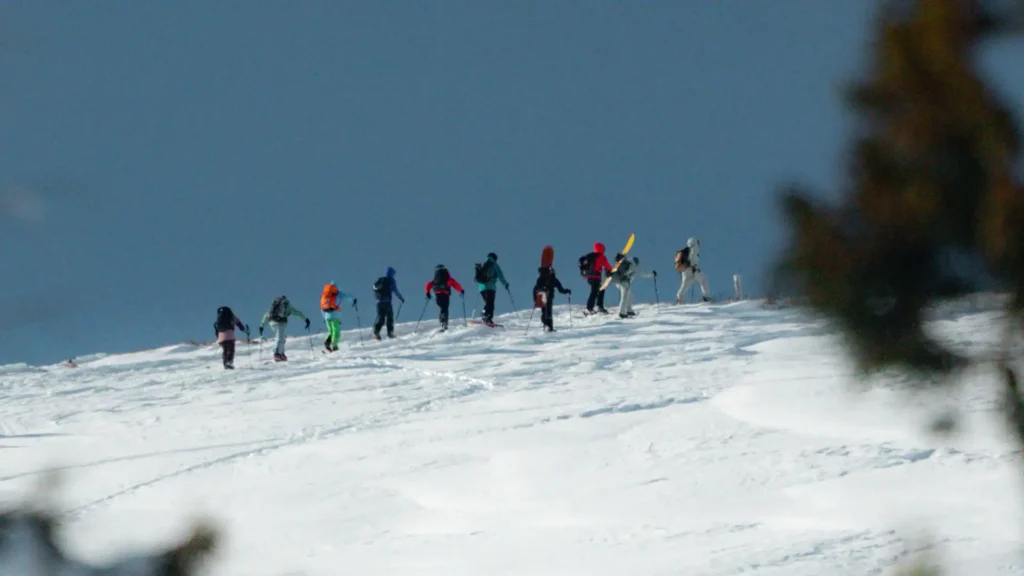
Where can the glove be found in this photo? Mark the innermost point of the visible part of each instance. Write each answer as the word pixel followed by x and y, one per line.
pixel 246 329
pixel 354 302
pixel 655 273
pixel 307 323
pixel 569 291
pixel 462 292
pixel 506 286
pixel 261 330
pixel 403 300
pixel 428 295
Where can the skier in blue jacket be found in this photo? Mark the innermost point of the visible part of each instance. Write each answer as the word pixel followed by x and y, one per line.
pixel 488 284
pixel 383 288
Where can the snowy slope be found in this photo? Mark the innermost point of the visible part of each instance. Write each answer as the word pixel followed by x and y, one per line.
pixel 723 439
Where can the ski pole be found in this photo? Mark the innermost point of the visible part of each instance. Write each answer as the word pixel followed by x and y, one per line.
pixel 425 304
pixel 530 321
pixel 657 300
pixel 309 333
pixel 513 300
pixel 465 320
pixel 399 313
pixel 359 324
pixel 570 310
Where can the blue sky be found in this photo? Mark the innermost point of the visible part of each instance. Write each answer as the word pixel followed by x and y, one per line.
pixel 160 159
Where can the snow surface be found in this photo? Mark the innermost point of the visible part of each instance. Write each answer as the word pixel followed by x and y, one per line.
pixel 716 439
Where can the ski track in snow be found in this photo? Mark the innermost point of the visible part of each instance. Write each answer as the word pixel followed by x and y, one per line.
pixel 707 439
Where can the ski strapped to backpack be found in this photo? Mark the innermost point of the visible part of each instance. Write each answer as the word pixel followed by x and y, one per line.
pixel 622 270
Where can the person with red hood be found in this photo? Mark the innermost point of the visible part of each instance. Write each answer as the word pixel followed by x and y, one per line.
pixel 592 267
pixel 442 285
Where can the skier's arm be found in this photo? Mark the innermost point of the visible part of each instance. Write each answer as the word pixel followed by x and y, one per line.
pixel 602 264
pixel 561 289
pixel 292 311
pixel 394 288
pixel 266 316
pixel 241 325
pixel 453 284
pixel 348 296
pixel 501 276
pixel 426 288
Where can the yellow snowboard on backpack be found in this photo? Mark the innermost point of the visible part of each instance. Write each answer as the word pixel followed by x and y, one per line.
pixel 629 244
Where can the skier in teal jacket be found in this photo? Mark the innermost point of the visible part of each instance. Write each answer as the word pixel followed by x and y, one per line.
pixel 487 279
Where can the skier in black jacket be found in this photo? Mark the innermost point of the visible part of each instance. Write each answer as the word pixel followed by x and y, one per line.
pixel 544 295
pixel 224 328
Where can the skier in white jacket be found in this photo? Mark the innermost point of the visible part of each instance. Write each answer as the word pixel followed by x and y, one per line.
pixel 627 271
pixel 687 261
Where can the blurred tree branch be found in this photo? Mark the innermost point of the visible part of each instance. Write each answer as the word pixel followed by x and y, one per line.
pixel 931 183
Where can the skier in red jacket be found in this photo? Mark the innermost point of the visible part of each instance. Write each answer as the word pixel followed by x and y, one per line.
pixel 592 266
pixel 442 285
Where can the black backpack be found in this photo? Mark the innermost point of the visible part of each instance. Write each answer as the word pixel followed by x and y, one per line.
pixel 382 288
pixel 483 272
pixel 225 319
pixel 441 279
pixel 279 310
pixel 622 272
pixel 587 264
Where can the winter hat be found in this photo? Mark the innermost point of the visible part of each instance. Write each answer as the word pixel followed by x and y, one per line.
pixel 636 260
pixel 619 256
pixel 493 256
pixel 439 267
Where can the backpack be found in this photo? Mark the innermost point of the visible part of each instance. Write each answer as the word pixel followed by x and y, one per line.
pixel 225 319
pixel 683 259
pixel 622 272
pixel 279 310
pixel 441 278
pixel 483 272
pixel 587 264
pixel 382 288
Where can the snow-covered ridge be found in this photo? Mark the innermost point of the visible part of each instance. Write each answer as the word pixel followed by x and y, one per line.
pixel 709 439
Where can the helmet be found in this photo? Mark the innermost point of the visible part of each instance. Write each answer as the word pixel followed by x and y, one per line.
pixel 636 260
pixel 492 256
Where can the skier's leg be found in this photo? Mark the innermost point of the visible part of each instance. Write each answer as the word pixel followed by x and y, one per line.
pixel 600 298
pixel 547 312
pixel 229 353
pixel 595 290
pixel 623 298
pixel 381 315
pixel 281 330
pixel 224 352
pixel 333 332
pixel 688 275
pixel 489 296
pixel 391 320
pixel 443 301
pixel 702 280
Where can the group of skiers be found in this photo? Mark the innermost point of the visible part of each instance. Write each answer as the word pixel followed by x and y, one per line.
pixel 593 267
